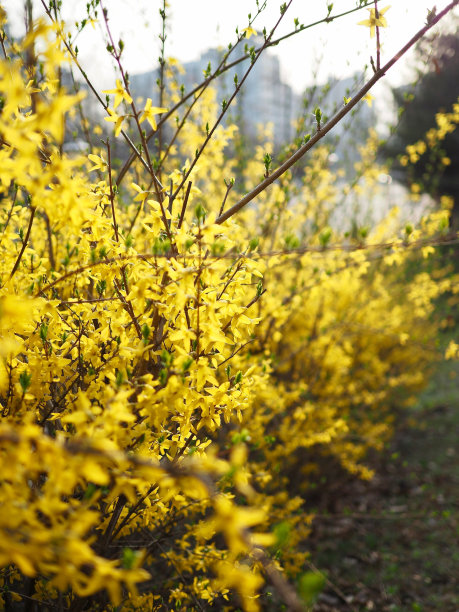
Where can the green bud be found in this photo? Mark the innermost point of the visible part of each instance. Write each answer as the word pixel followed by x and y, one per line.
pixel 24 380
pixel 145 333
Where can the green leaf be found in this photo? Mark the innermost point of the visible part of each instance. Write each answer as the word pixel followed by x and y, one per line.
pixel 325 236
pixel 145 333
pixel 310 586
pixel 24 380
pixel 92 488
pixel 43 331
pixel 129 558
pixel 282 534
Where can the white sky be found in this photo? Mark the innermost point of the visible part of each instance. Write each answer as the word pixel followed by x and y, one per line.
pixel 338 49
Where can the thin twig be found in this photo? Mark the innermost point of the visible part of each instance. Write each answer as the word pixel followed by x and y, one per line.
pixel 221 69
pixel 229 186
pixel 49 235
pixel 383 247
pixel 24 243
pixel 112 193
pixel 162 63
pixel 334 121
pixel 228 103
pixel 117 56
pixel 184 205
pixel 136 152
pixel 10 212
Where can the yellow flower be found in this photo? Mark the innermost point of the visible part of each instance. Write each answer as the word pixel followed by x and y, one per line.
pixel 99 162
pixel 249 32
pixel 120 94
pixel 116 119
pixel 452 350
pixel 374 23
pixel 149 113
pixel 2 16
pixel 142 194
pixel 404 160
pixel 368 99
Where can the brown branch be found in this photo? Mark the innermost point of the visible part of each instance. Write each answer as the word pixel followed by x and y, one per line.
pixel 222 68
pixel 235 352
pixel 253 301
pixel 283 587
pixel 184 205
pixel 131 511
pixel 24 243
pixel 228 104
pixel 113 520
pixel 112 193
pixel 378 42
pixel 49 234
pixel 162 62
pixel 129 309
pixel 334 121
pixel 229 186
pixel 89 301
pixel 383 246
pixel 10 212
pixel 117 56
pixel 126 303
pixel 63 38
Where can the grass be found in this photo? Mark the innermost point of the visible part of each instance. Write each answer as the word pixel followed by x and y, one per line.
pixel 392 544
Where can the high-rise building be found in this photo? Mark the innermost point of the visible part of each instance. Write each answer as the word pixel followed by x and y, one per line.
pixel 264 97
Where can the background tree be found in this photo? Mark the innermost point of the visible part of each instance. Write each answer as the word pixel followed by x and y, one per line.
pixel 437 90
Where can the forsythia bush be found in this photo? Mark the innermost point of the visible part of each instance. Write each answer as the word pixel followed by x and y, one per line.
pixel 168 383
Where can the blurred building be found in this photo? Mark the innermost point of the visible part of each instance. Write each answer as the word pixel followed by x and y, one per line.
pixel 264 97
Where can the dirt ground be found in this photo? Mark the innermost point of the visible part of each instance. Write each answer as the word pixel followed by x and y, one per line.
pixel 392 544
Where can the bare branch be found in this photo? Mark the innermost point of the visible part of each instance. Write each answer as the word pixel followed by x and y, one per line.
pixel 334 121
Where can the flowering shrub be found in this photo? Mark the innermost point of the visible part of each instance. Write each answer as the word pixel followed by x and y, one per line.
pixel 167 373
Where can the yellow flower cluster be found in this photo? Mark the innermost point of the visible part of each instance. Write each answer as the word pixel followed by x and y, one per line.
pixel 446 124
pixel 165 379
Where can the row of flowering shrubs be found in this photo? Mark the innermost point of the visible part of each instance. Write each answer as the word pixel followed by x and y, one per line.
pixel 168 382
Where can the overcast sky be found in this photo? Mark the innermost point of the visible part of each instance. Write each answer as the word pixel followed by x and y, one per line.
pixel 337 49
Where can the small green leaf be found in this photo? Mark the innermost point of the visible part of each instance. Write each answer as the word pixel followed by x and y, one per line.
pixel 241 436
pixel 310 586
pixel 24 380
pixel 186 364
pixel 119 379
pixel 129 558
pixel 43 331
pixel 200 212
pixel 92 488
pixel 325 236
pixel 282 534
pixel 145 333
